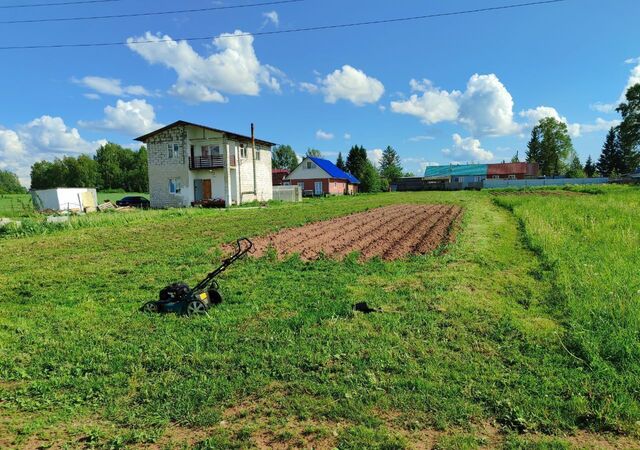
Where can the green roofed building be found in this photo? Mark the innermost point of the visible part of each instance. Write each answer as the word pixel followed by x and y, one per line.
pixel 468 175
pixel 458 170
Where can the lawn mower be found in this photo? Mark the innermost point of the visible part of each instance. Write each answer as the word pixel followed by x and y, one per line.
pixel 179 298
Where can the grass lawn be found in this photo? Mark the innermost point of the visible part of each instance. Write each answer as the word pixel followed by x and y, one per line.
pixel 20 205
pixel 522 334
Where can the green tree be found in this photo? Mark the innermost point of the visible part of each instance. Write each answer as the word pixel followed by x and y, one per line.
pixel 356 161
pixel 575 169
pixel 284 157
pixel 138 175
pixel 41 175
pixel 409 174
pixel 369 178
pixel 534 146
pixel 340 162
pixel 589 167
pixel 10 184
pixel 551 147
pixel 609 161
pixel 516 157
pixel 629 130
pixel 314 153
pixel 390 165
pixel 113 167
pixel 110 162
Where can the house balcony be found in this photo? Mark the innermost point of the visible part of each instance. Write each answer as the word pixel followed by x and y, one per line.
pixel 210 162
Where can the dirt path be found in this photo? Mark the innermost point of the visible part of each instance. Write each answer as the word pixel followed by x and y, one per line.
pixel 390 232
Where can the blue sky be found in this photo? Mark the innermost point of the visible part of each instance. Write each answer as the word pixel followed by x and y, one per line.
pixel 452 89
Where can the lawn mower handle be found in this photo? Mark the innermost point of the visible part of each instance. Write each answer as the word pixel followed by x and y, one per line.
pixel 240 252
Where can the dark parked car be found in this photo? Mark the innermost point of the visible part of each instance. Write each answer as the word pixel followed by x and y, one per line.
pixel 136 201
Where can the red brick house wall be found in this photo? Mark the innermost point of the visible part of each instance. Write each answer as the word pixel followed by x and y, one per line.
pixel 330 186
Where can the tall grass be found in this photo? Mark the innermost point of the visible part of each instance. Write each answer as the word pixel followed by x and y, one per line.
pixel 590 244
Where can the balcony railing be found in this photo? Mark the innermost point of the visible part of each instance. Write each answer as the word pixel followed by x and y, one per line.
pixel 210 162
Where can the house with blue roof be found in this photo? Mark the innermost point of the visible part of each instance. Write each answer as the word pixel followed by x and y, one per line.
pixel 319 176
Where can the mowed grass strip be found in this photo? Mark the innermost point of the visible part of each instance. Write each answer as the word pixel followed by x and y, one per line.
pixel 467 342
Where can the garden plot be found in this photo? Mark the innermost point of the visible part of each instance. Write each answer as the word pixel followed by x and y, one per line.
pixel 390 233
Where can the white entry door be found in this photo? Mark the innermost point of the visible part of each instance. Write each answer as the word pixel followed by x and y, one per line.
pixel 318 188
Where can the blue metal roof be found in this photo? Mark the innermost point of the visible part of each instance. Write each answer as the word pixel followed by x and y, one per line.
pixel 456 170
pixel 333 170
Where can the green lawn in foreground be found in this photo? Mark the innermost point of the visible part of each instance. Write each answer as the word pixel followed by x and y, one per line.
pixel 20 205
pixel 476 345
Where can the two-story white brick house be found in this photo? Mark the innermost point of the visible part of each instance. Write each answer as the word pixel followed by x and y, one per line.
pixel 189 163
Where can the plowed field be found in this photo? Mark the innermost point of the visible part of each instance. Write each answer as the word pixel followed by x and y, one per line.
pixel 390 232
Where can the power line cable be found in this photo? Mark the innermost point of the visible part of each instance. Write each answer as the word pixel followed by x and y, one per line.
pixel 152 13
pixel 37 5
pixel 291 30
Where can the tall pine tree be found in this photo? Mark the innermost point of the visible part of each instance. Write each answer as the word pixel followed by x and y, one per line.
pixel 610 158
pixel 534 146
pixel 575 168
pixel 390 164
pixel 356 161
pixel 589 167
pixel 340 162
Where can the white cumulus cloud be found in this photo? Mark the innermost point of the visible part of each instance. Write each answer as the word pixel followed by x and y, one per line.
pixel 467 149
pixel 45 137
pixel 324 135
pixel 485 107
pixel 111 86
pixel 234 69
pixel 533 116
pixel 349 83
pixel 432 106
pixel 134 117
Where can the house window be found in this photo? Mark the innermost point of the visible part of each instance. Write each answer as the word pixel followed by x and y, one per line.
pixel 173 150
pixel 243 151
pixel 512 177
pixel 257 155
pixel 175 186
pixel 310 165
pixel 496 176
pixel 209 150
pixel 478 179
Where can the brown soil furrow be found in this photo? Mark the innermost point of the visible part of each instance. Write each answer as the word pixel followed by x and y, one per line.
pixel 399 236
pixel 333 230
pixel 408 243
pixel 390 232
pixel 439 234
pixel 363 241
pixel 346 239
pixel 294 237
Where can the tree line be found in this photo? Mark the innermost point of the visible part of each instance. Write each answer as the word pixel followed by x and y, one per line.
pixel 550 145
pixel 113 167
pixel 372 178
pixel 10 184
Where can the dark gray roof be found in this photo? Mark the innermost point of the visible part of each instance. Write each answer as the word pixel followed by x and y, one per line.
pixel 182 122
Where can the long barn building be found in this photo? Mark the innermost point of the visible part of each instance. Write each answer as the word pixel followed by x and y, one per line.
pixel 466 176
